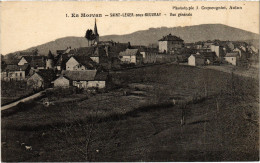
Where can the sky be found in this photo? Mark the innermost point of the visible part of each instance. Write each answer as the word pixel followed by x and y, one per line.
pixel 28 24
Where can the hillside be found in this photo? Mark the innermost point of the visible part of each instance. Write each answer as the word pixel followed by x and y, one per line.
pixel 151 36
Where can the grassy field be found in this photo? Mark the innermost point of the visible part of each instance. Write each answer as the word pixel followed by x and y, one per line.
pixel 221 120
pixel 13 90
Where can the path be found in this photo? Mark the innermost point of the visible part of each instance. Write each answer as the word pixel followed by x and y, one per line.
pixel 39 94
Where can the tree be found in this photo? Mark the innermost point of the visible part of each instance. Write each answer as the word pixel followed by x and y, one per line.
pixel 90 36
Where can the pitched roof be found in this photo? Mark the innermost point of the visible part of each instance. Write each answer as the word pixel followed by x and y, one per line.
pixel 208 54
pixel 47 75
pixel 170 37
pixel 85 50
pixel 86 61
pixel 129 52
pixel 50 55
pixel 85 75
pixel 231 55
pixel 198 56
pixel 16 67
pixel 61 76
pixel 102 76
pixel 30 58
pixel 62 59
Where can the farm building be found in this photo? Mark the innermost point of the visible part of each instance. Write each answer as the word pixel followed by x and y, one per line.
pixel 149 54
pixel 196 60
pixel 232 58
pixel 79 63
pixel 83 79
pixel 99 81
pixel 35 62
pixel 15 72
pixel 131 56
pixel 62 81
pixel 41 79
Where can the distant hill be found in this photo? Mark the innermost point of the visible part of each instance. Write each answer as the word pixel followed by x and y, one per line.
pixel 151 36
pixel 189 34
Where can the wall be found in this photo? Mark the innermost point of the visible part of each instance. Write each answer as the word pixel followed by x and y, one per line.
pixel 71 63
pixel 35 81
pixel 96 84
pixel 191 61
pixel 22 62
pixel 49 63
pixel 95 59
pixel 163 46
pixel 215 49
pixel 78 67
pixel 129 59
pixel 232 60
pixel 61 82
pixel 80 84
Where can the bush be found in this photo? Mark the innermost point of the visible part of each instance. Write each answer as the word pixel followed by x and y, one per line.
pixel 61 92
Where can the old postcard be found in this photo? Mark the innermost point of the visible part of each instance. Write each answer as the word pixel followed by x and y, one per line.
pixel 129 81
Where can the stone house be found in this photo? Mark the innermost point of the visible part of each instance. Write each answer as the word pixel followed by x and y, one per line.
pixel 15 72
pixel 41 79
pixel 170 43
pixel 131 56
pixel 35 62
pixel 80 63
pixel 196 60
pixel 82 79
pixel 232 58
pixel 62 81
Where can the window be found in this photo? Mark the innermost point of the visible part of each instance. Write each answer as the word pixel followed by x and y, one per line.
pixel 21 74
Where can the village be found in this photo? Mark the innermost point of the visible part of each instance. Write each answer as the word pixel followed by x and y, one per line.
pixel 114 101
pixel 89 67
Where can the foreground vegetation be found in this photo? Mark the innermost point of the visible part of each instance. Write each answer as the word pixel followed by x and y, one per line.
pixel 132 123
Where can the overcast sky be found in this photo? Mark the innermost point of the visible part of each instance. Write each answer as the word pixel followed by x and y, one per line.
pixel 27 24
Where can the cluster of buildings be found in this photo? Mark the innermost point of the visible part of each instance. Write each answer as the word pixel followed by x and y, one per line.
pixel 225 52
pixel 88 67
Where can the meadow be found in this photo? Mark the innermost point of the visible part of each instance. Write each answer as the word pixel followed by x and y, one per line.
pixel 221 115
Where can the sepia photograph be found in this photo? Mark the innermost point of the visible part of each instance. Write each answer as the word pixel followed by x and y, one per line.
pixel 129 81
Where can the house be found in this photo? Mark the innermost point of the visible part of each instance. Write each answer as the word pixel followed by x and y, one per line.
pixel 169 43
pixel 131 56
pixel 196 60
pixel 80 78
pixel 80 63
pixel 35 62
pixel 15 72
pixel 232 58
pixel 41 79
pixel 62 81
pixel 149 54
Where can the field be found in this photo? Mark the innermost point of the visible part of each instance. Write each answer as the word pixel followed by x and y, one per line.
pixel 138 122
pixel 13 90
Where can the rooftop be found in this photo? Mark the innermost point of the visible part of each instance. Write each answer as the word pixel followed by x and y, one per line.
pixel 170 37
pixel 80 75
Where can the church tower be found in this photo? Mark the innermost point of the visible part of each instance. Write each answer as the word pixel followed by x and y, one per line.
pixel 96 33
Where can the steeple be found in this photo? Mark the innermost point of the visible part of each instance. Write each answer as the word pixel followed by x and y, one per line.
pixel 96 33
pixel 95 29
